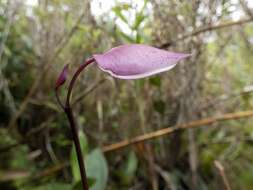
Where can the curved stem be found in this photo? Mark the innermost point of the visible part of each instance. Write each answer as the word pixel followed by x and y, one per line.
pixel 73 80
pixel 69 113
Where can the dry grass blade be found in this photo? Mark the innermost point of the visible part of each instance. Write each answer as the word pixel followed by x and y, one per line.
pixel 169 130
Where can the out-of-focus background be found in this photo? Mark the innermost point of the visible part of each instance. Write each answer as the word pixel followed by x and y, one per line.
pixel 38 37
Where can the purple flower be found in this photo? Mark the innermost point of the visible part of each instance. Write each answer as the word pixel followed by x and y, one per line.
pixel 62 77
pixel 125 62
pixel 136 61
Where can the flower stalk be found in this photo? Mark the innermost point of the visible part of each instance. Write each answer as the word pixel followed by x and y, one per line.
pixel 69 112
pixel 80 158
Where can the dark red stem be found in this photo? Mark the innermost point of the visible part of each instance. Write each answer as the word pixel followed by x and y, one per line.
pixel 73 80
pixel 80 158
pixel 68 110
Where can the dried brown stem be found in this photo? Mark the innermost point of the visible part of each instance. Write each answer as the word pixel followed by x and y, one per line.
pixel 221 170
pixel 169 130
pixel 206 29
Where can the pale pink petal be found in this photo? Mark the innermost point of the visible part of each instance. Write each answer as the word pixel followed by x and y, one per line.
pixel 137 61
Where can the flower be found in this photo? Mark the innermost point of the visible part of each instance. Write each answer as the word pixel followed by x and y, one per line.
pixel 136 61
pixel 131 61
pixel 126 62
pixel 62 77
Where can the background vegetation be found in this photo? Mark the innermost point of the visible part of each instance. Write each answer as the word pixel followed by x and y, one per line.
pixel 37 38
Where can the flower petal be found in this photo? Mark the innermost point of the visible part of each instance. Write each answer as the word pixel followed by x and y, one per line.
pixel 135 61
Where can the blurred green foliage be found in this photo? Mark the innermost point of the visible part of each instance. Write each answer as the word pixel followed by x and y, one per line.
pixel 96 166
pixel 36 41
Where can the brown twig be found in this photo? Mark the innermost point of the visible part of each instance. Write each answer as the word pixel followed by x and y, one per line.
pixel 13 175
pixel 206 29
pixel 246 9
pixel 166 177
pixel 169 130
pixel 60 166
pixel 221 170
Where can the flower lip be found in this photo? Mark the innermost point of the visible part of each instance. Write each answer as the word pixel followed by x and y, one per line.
pixel 136 76
pixel 136 61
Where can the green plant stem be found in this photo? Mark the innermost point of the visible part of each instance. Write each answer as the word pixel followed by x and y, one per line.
pixel 80 158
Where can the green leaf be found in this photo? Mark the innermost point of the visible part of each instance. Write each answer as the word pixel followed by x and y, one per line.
pixel 125 6
pixel 138 38
pixel 117 11
pixel 127 172
pixel 155 81
pixel 131 167
pixel 73 156
pixel 79 185
pixel 125 37
pixel 20 160
pixel 132 163
pixel 138 20
pixel 96 167
pixel 159 106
